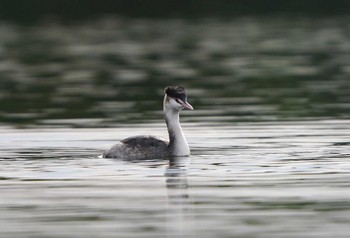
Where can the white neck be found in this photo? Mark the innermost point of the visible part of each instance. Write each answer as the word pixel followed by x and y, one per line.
pixel 177 142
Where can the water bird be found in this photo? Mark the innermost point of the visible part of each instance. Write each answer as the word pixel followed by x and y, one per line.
pixel 146 147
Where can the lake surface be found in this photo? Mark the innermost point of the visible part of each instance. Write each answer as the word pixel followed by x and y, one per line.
pixel 270 133
pixel 242 180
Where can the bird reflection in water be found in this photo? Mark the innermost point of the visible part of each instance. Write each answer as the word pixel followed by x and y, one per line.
pixel 179 220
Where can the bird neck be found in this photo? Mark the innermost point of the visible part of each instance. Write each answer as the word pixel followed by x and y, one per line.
pixel 177 142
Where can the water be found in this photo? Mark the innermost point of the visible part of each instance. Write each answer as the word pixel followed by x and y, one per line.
pixel 243 180
pixel 112 71
pixel 269 135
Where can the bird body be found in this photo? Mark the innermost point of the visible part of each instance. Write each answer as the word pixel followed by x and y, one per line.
pixel 145 147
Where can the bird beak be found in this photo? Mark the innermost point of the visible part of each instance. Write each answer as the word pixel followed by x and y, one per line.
pixel 186 105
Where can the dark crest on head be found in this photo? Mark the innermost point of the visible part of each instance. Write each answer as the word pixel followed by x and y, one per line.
pixel 176 92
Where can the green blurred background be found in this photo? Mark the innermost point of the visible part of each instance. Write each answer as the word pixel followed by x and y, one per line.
pixel 104 63
pixel 75 9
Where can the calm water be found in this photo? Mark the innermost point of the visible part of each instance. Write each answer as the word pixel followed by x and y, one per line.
pixel 243 180
pixel 270 135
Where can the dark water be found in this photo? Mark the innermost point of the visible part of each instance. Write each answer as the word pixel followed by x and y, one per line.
pixel 113 70
pixel 269 137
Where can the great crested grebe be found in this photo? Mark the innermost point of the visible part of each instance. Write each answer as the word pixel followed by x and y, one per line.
pixel 143 147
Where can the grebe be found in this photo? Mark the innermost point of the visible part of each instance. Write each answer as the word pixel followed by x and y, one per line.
pixel 143 147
